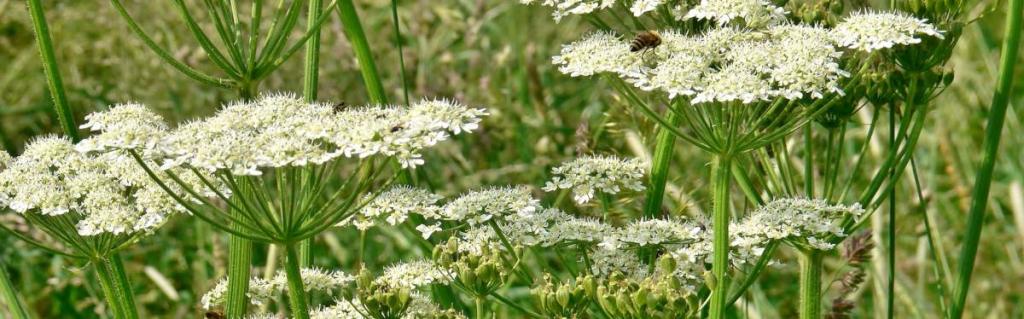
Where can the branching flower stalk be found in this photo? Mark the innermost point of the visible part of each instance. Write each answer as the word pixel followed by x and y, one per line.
pixel 274 159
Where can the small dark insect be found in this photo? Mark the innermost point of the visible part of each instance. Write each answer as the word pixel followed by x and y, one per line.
pixel 338 107
pixel 397 128
pixel 646 40
pixel 214 315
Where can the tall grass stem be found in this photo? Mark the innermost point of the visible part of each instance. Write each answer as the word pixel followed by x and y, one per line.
pixel 663 151
pixel 983 179
pixel 53 78
pixel 15 308
pixel 311 74
pixel 353 29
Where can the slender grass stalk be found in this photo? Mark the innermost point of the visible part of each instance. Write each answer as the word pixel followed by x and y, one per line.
pixel 983 179
pixel 890 297
pixel 53 78
pixel 296 290
pixel 401 53
pixel 720 178
pixel 361 48
pixel 309 92
pixel 15 308
pixel 663 152
pixel 810 284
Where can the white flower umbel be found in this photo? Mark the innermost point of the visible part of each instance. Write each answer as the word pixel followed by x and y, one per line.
pixel 420 306
pixel 565 8
pixel 604 262
pixel 587 175
pixel 105 193
pixel 869 31
pixel 804 221
pixel 576 230
pixel 753 13
pixel 394 206
pixel 414 274
pixel 496 202
pixel 656 232
pixel 262 291
pixel 125 126
pixel 640 7
pixel 598 52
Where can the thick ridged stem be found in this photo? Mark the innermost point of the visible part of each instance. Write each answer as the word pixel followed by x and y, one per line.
pixel 296 289
pixel 109 288
pixel 309 92
pixel 239 268
pixel 720 178
pixel 983 179
pixel 53 78
pixel 810 284
pixel 123 287
pixel 361 48
pixel 15 308
pixel 660 161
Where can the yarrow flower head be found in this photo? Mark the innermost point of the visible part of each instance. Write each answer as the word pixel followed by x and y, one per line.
pixel 394 206
pixel 587 175
pixel 806 221
pixel 869 31
pixel 495 202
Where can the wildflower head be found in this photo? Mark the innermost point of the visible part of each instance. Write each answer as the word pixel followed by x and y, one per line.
pixel 123 126
pixel 752 13
pixel 587 175
pixel 495 202
pixel 869 31
pixel 414 274
pixel 805 222
pixel 394 206
pixel 564 8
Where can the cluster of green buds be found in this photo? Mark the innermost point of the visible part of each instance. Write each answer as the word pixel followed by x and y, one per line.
pixel 564 299
pixel 823 12
pixel 659 296
pixel 380 300
pixel 478 272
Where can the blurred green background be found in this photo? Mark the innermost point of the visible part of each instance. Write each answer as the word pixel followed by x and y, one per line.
pixel 494 54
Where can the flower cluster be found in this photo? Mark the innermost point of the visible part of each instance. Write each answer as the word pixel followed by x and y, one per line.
pixel 419 307
pixel 480 206
pixel 721 65
pixel 262 290
pixel 394 206
pixel 590 174
pixel 281 130
pixel 807 221
pixel 754 13
pixel 415 274
pixel 108 192
pixel 869 31
pixel 565 8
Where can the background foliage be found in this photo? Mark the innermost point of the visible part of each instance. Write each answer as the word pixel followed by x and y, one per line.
pixel 496 54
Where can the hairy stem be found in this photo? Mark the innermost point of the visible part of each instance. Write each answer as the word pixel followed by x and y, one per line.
pixel 983 179
pixel 15 308
pixel 810 284
pixel 53 78
pixel 239 268
pixel 296 290
pixel 480 307
pixel 122 285
pixel 106 280
pixel 720 178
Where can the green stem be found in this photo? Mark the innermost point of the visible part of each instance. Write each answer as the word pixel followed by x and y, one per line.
pixel 10 297
pixel 361 48
pixel 810 284
pixel 296 290
pixel 309 92
pixel 663 152
pixel 401 53
pixel 720 178
pixel 123 286
pixel 983 179
pixel 480 307
pixel 106 280
pixel 53 78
